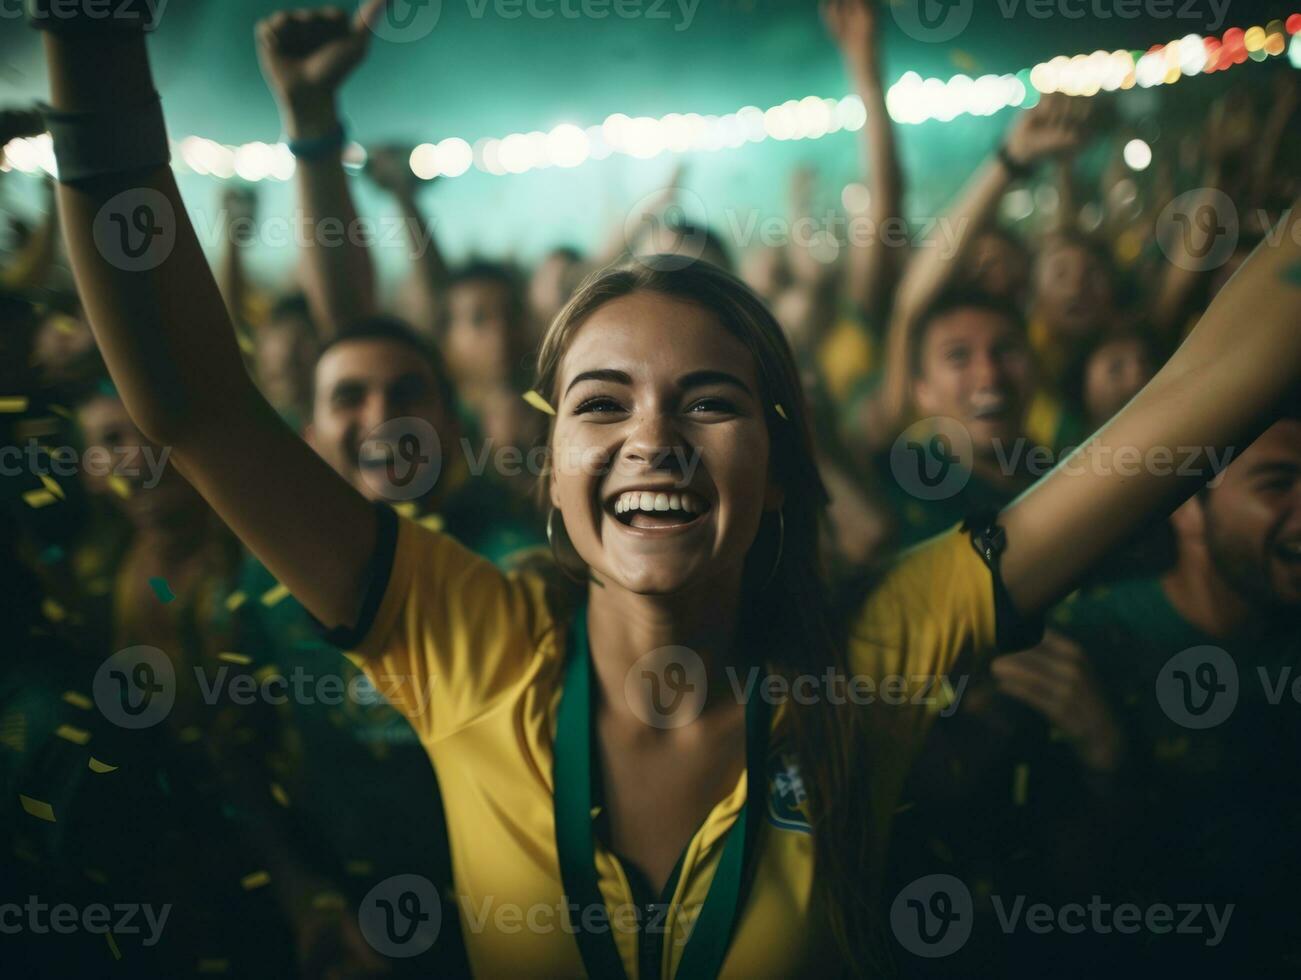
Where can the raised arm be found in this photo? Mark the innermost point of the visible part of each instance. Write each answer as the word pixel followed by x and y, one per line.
pixel 305 56
pixel 1217 391
pixel 389 169
pixel 168 342
pixel 1053 127
pixel 873 267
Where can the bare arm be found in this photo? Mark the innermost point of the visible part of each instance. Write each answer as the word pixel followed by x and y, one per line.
pixel 1217 391
pixel 1053 127
pixel 305 56
pixel 873 267
pixel 170 348
pixel 391 171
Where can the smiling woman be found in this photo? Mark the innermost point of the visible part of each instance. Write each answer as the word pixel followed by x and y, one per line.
pixel 605 761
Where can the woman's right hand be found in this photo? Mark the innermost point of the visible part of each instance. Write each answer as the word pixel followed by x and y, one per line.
pixel 307 54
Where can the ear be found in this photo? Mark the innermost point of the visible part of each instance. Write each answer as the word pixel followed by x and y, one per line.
pixel 921 395
pixel 552 489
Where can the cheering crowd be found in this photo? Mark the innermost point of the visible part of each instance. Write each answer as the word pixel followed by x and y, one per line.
pixel 281 627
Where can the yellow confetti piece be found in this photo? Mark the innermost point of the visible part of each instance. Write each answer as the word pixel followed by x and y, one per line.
pixel 119 486
pixel 275 595
pixel 62 412
pixel 97 876
pixel 405 508
pixel 264 674
pixel 538 402
pixel 35 428
pixel 235 658
pixel 1020 783
pixel 51 486
pixel 78 700
pixel 190 734
pixel 212 966
pixel 52 611
pixel 36 499
pixel 433 522
pixel 37 808
pixel 64 323
pixel 112 945
pixel 13 403
pixel 360 868
pixel 77 736
pixel 279 795
pixel 329 900
pixel 100 767
pixel 255 880
pixel 780 411
pixel 245 343
pixel 235 600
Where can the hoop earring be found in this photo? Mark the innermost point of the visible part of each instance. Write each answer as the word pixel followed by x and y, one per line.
pixel 781 543
pixel 555 554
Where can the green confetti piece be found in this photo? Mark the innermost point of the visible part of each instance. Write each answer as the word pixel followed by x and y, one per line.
pixel 161 589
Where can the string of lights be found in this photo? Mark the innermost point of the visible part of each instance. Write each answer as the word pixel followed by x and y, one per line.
pixel 911 100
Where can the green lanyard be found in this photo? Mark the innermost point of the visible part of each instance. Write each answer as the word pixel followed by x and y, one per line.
pixel 576 844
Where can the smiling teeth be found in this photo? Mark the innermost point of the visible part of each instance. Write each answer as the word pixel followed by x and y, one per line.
pixel 646 501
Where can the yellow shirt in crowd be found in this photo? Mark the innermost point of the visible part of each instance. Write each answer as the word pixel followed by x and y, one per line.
pixel 474 659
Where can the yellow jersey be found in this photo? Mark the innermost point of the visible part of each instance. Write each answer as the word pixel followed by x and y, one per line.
pixel 474 658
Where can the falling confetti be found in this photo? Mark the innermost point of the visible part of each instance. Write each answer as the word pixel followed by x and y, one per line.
pixel 78 700
pixel 235 658
pixel 255 880
pixel 77 736
pixel 13 403
pixel 235 600
pixel 112 945
pixel 275 595
pixel 1020 783
pixel 37 808
pixel 101 767
pixel 37 499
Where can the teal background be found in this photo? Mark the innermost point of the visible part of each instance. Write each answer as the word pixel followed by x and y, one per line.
pixel 490 76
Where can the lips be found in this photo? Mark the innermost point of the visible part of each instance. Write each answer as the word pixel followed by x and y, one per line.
pixel 657 510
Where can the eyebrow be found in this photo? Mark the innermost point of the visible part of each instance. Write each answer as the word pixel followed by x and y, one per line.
pixel 695 379
pixel 354 382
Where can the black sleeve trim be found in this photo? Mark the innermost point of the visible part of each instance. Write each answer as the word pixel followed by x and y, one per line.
pixel 1012 630
pixel 378 571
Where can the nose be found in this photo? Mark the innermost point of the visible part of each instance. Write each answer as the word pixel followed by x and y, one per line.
pixel 652 442
pixel 989 369
pixel 377 409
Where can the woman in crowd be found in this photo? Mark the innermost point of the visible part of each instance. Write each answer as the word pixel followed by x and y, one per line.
pixel 684 494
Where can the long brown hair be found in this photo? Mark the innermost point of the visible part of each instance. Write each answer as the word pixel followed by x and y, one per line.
pixel 785 608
